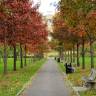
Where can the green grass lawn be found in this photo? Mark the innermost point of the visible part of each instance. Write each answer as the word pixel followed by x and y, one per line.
pixel 9 64
pixel 11 83
pixel 76 77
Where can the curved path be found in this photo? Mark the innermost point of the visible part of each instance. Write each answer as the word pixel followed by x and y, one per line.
pixel 48 82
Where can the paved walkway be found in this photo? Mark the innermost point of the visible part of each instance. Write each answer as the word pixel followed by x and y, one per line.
pixel 48 82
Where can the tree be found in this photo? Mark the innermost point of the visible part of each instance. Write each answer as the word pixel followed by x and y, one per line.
pixel 21 24
pixel 4 12
pixel 74 14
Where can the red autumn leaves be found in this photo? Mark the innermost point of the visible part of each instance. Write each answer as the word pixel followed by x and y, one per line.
pixel 21 23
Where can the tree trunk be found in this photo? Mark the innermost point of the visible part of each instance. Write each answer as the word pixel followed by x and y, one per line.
pixel 25 56
pixel 92 54
pixel 64 55
pixel 61 54
pixel 21 56
pixel 83 54
pixel 68 56
pixel 32 59
pixel 71 56
pixel 73 53
pixel 78 63
pixel 5 57
pixel 15 58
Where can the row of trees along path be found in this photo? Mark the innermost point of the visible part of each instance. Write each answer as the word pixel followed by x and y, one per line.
pixel 21 25
pixel 74 26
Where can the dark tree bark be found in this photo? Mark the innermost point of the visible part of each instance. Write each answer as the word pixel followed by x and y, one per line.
pixel 73 53
pixel 78 63
pixel 32 59
pixel 65 56
pixel 61 55
pixel 71 58
pixel 15 58
pixel 5 57
pixel 25 56
pixel 21 56
pixel 92 54
pixel 68 55
pixel 83 54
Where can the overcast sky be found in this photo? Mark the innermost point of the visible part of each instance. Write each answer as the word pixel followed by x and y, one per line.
pixel 47 7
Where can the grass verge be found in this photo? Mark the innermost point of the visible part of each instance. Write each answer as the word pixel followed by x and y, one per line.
pixel 13 82
pixel 76 77
pixel 62 69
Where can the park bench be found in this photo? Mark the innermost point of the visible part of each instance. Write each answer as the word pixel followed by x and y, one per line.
pixel 90 81
pixel 69 68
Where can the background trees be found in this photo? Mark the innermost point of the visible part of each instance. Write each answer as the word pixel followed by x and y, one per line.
pixel 79 30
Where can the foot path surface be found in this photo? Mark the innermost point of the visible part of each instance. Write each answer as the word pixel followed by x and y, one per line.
pixel 48 82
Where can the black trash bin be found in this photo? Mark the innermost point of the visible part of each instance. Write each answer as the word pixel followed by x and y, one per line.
pixel 58 60
pixel 55 58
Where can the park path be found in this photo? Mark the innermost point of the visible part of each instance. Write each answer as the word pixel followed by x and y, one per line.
pixel 48 82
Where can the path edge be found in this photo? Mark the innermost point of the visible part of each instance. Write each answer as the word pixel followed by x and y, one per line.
pixel 29 81
pixel 68 81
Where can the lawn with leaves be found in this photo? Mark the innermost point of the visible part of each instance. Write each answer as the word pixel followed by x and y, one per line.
pixel 76 77
pixel 13 82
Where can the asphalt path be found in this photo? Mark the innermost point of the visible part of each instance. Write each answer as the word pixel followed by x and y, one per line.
pixel 48 82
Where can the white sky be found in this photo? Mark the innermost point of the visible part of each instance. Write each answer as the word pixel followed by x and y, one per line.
pixel 47 7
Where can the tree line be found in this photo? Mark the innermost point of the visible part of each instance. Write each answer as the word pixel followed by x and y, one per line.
pixel 74 26
pixel 21 25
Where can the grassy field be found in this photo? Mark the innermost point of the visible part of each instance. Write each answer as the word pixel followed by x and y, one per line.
pixel 11 83
pixel 10 64
pixel 76 77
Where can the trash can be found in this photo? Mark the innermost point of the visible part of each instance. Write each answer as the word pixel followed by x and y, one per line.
pixel 58 60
